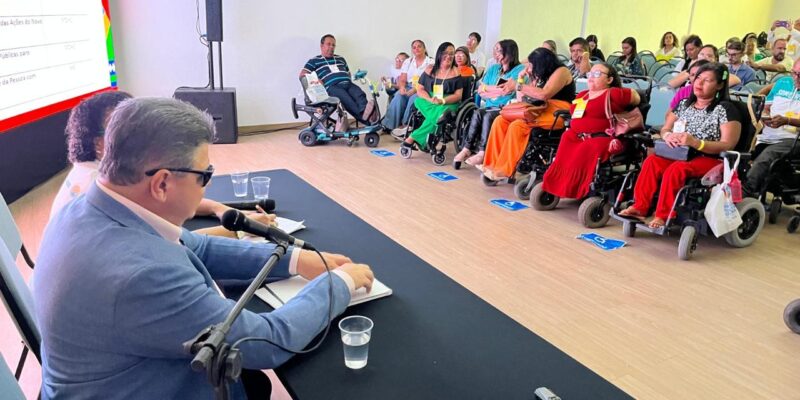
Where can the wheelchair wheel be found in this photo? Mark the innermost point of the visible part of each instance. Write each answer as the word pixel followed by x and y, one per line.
pixel 523 187
pixel 774 210
pixel 794 223
pixel 405 152
pixel 541 200
pixel 753 217
pixel 688 243
pixel 594 212
pixel 791 316
pixel 438 158
pixel 463 119
pixel 372 139
pixel 307 138
pixel 488 182
pixel 628 229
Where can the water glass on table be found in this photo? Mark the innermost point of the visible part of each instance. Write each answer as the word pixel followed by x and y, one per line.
pixel 356 332
pixel 239 180
pixel 260 187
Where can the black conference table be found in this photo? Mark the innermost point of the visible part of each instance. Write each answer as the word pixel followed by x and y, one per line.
pixel 433 339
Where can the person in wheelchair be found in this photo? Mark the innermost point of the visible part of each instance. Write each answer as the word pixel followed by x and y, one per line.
pixel 586 140
pixel 780 130
pixel 439 90
pixel 551 84
pixel 497 88
pixel 706 122
pixel 334 73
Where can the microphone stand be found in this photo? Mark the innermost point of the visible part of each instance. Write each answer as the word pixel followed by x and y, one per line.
pixel 221 363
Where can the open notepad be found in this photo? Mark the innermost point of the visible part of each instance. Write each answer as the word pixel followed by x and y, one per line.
pixel 278 293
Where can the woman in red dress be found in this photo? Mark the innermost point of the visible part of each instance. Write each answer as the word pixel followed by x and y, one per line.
pixel 586 141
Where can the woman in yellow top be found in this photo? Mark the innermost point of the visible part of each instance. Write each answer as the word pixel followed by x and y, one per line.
pixel 668 48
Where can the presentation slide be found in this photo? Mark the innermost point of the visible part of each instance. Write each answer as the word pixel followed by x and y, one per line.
pixel 53 53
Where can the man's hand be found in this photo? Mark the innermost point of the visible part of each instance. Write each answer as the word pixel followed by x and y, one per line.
pixel 263 218
pixel 361 273
pixel 310 266
pixel 775 121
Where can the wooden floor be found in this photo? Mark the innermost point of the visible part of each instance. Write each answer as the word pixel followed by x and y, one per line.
pixel 657 327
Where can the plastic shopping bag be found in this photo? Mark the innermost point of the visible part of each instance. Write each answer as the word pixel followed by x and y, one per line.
pixel 721 212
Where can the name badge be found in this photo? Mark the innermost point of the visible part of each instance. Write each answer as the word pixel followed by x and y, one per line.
pixel 580 107
pixel 414 80
pixel 438 91
pixel 334 68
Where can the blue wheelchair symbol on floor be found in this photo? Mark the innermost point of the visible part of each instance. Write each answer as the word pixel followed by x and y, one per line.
pixel 602 242
pixel 442 176
pixel 382 153
pixel 508 204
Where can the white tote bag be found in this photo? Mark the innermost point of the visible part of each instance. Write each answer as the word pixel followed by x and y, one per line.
pixel 721 214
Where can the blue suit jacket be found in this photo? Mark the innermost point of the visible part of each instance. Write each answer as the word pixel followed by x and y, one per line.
pixel 115 301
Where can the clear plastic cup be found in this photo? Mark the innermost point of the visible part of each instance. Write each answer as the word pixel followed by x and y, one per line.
pixel 239 180
pixel 356 332
pixel 260 187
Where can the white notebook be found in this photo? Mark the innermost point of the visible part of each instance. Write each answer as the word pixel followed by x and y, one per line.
pixel 281 292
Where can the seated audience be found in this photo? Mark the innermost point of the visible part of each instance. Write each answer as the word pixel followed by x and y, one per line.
pixel 708 123
pixel 586 140
pixel 334 73
pixel 550 81
pixel 477 57
pixel 685 91
pixel 119 286
pixel 778 62
pixel 550 45
pixel 497 88
pixel 594 51
pixel 668 48
pixel 390 82
pixel 792 40
pixel 439 89
pixel 399 109
pixel 781 118
pixel 579 58
pixel 751 53
pixel 85 131
pixel 691 47
pixel 464 64
pixel 630 61
pixel 707 53
pixel 746 74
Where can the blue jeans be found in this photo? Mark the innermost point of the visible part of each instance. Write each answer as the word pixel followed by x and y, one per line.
pixel 399 111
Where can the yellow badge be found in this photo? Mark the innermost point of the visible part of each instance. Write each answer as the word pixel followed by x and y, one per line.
pixel 438 91
pixel 580 107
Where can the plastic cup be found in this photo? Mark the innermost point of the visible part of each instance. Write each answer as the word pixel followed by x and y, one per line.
pixel 239 180
pixel 260 187
pixel 356 332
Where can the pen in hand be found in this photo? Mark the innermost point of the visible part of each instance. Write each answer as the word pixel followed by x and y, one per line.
pixel 270 217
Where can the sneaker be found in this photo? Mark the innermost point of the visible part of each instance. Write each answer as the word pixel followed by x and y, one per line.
pixel 399 133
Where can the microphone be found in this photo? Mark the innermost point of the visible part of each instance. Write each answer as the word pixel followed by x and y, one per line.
pixel 267 205
pixel 235 220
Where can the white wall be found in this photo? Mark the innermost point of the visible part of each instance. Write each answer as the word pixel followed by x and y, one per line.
pixel 267 42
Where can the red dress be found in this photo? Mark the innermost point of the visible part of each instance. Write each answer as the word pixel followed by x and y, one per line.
pixel 573 168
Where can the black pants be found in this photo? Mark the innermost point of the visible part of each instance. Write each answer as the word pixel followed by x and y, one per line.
pixel 256 384
pixel 352 98
pixel 479 128
pixel 764 155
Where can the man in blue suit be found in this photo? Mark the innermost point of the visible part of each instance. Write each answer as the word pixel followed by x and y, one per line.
pixel 119 286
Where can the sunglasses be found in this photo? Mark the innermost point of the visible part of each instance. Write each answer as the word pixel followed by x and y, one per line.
pixel 204 173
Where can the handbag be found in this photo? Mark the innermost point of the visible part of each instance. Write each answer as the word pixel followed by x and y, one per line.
pixel 677 153
pixel 523 110
pixel 623 122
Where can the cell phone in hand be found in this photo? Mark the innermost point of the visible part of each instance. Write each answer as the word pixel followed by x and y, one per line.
pixel 784 24
pixel 501 81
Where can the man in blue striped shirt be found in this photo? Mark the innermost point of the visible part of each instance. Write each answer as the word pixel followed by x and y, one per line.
pixel 334 73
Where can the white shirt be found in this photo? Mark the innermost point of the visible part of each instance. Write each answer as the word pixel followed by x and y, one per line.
pixel 792 46
pixel 411 69
pixel 78 180
pixel 787 64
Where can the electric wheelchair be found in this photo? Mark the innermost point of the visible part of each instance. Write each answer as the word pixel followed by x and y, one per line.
pixel 323 126
pixel 691 200
pixel 451 126
pixel 609 177
pixel 783 181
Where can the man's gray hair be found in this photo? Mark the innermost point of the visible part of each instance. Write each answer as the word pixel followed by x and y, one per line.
pixel 145 133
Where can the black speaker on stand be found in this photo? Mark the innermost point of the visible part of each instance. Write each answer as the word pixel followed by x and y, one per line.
pixel 220 101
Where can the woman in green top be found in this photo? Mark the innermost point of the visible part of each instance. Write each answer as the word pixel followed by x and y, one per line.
pixel 439 89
